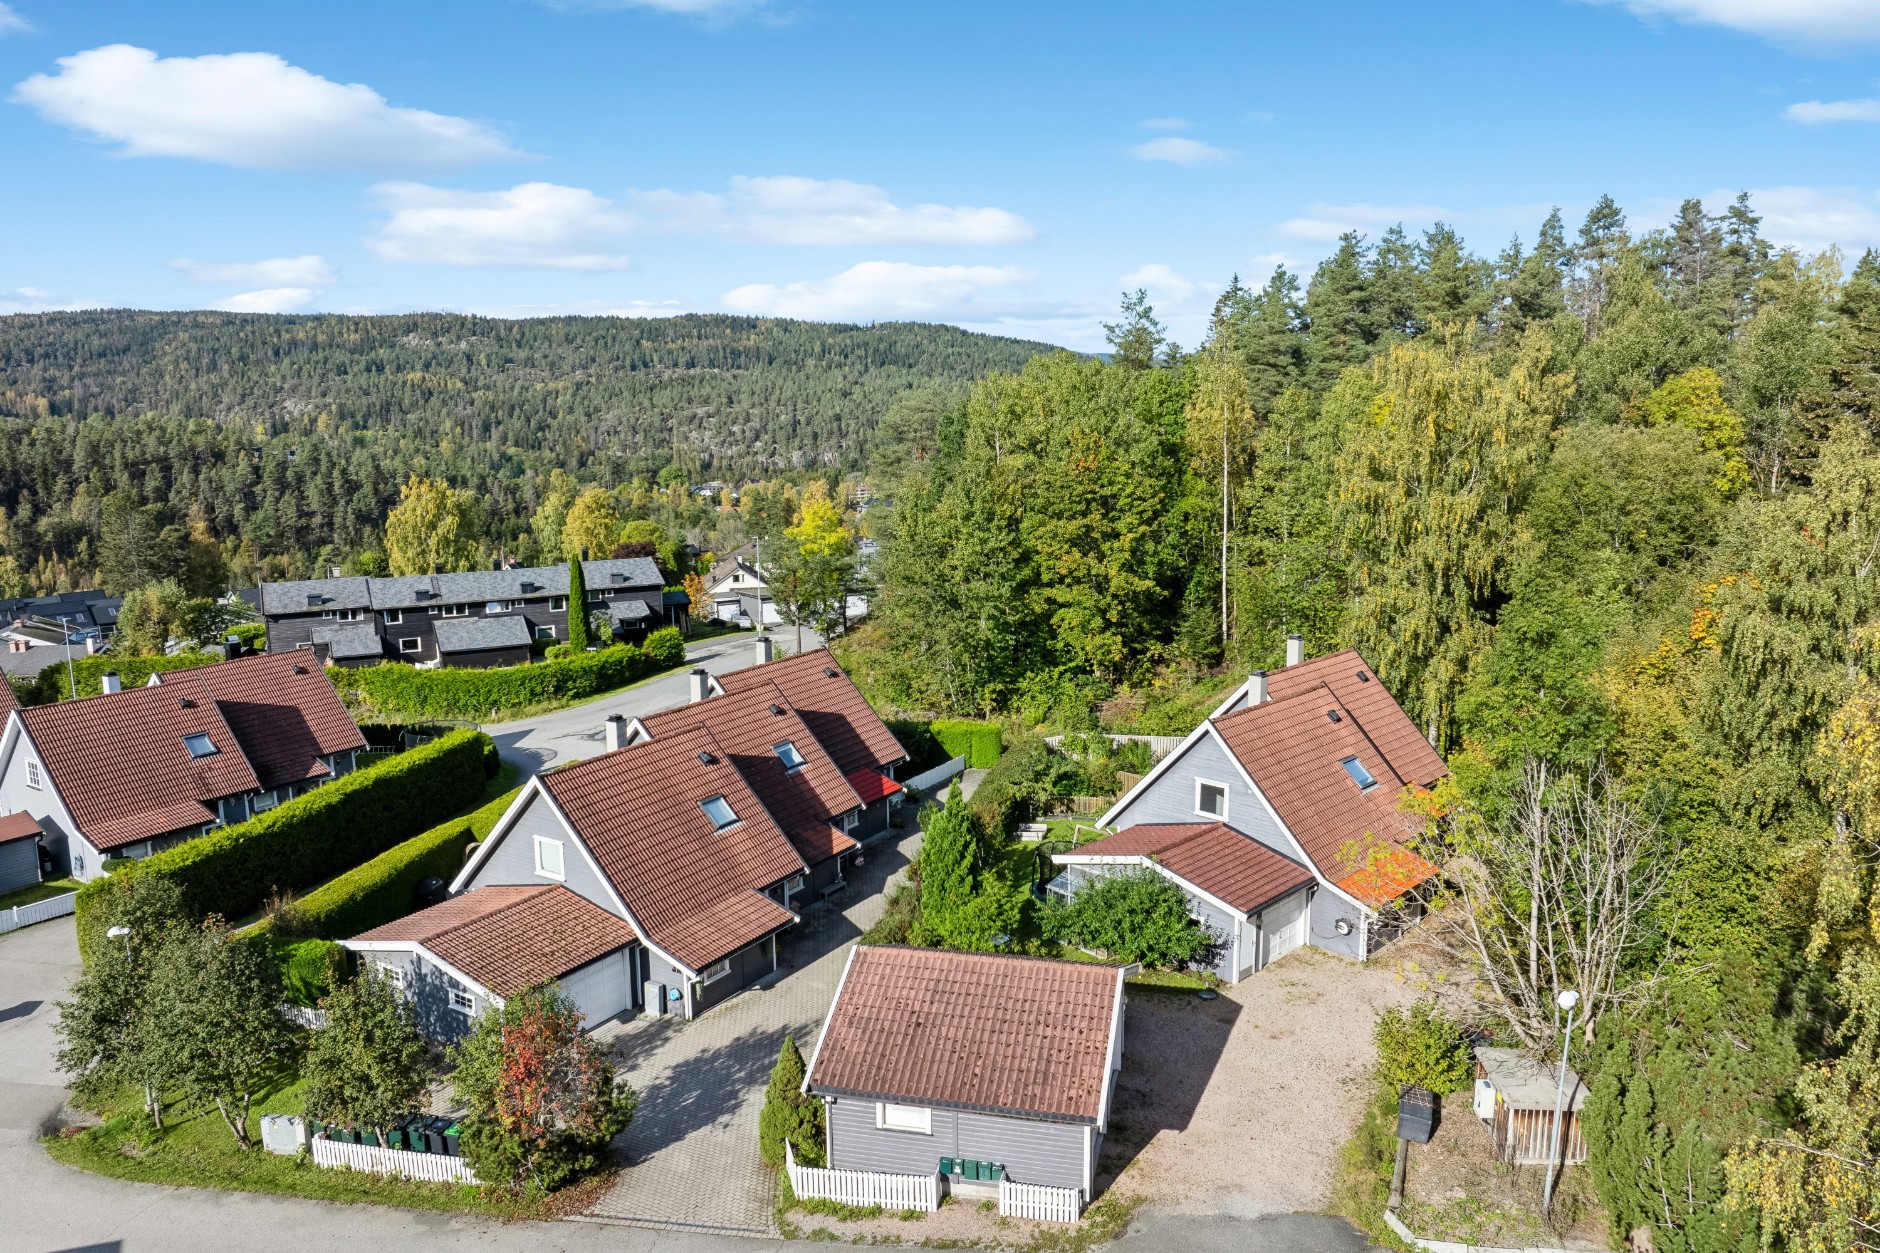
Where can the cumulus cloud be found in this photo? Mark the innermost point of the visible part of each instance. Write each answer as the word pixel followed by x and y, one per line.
pixel 1812 218
pixel 1177 150
pixel 267 300
pixel 1324 223
pixel 11 23
pixel 1817 112
pixel 248 109
pixel 1166 124
pixel 1814 23
pixel 876 290
pixel 784 209
pixel 1160 280
pixel 310 270
pixel 531 226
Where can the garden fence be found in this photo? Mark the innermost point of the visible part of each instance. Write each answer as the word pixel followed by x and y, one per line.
pixel 423 1167
pixel 39 911
pixel 1034 1200
pixel 929 779
pixel 301 1016
pixel 863 1187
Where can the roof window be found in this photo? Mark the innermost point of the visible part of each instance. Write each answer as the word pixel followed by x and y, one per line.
pixel 706 759
pixel 1363 677
pixel 199 745
pixel 1359 775
pixel 719 810
pixel 1333 715
pixel 792 760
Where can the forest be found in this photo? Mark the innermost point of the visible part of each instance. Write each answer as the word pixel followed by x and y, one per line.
pixel 284 441
pixel 1604 512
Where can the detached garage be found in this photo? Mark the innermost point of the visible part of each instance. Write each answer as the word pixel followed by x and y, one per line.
pixel 19 851
pixel 473 951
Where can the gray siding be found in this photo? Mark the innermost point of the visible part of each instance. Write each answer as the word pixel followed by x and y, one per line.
pixel 1218 922
pixel 513 858
pixel 1031 1151
pixel 1328 908
pixel 747 966
pixel 45 804
pixel 19 864
pixel 1171 798
pixel 429 988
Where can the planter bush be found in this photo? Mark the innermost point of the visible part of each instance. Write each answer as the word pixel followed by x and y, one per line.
pixel 314 837
pixel 395 690
pixel 666 648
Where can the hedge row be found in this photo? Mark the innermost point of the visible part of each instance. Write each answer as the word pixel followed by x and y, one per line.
pixel 392 689
pixel 314 837
pixel 55 685
pixel 979 742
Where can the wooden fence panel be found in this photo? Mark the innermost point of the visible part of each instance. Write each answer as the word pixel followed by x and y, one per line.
pixel 1033 1200
pixel 424 1167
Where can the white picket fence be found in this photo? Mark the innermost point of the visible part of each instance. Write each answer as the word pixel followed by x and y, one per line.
pixel 928 780
pixel 39 911
pixel 1035 1200
pixel 863 1187
pixel 301 1016
pixel 424 1167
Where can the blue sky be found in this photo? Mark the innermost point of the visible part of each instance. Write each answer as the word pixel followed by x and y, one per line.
pixel 1008 167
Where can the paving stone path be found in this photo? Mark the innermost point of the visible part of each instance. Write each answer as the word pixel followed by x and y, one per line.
pixel 691 1152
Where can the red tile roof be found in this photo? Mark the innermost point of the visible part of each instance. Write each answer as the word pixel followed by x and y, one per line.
pixel 1219 860
pixel 872 785
pixel 831 704
pixel 1022 1035
pixel 818 844
pixel 18 827
pixel 750 724
pixel 1389 871
pixel 9 700
pixel 120 764
pixel 638 812
pixel 511 939
pixel 1320 714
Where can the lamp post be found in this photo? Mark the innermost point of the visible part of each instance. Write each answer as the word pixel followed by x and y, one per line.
pixel 65 632
pixel 150 1097
pixel 1567 1001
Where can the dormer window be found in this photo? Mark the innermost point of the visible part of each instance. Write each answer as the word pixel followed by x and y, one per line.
pixel 199 745
pixel 786 751
pixel 1359 775
pixel 719 810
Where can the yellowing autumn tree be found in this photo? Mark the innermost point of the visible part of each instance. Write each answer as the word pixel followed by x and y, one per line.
pixel 432 525
pixel 593 523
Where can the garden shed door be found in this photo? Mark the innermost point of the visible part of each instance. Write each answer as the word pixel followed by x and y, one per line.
pixel 1284 925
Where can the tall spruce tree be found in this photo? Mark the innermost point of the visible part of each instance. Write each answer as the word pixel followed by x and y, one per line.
pixel 577 605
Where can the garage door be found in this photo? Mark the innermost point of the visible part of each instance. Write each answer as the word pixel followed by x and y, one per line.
pixel 1284 924
pixel 601 988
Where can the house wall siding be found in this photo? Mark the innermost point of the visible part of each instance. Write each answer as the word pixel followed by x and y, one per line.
pixel 60 836
pixel 513 858
pixel 1328 908
pixel 429 988
pixel 19 864
pixel 747 966
pixel 1171 797
pixel 1032 1152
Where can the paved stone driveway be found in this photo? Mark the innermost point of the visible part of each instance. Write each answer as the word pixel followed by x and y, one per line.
pixel 691 1152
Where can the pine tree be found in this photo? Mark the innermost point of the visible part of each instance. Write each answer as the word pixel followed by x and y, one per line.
pixel 1337 312
pixel 1137 338
pixel 577 605
pixel 1602 238
pixel 790 1116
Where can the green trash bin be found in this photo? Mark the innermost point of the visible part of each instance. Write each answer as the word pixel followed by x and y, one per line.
pixel 975 1169
pixel 998 1171
pixel 451 1134
pixel 369 1138
pixel 395 1137
pixel 414 1136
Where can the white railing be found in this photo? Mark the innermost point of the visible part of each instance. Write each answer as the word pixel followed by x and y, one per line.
pixel 928 779
pixel 1159 745
pixel 301 1016
pixel 424 1167
pixel 39 911
pixel 863 1187
pixel 1035 1200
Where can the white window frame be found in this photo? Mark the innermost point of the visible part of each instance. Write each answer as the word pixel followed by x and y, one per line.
pixel 851 820
pixel 394 975
pixel 411 644
pixel 463 1002
pixel 1348 762
pixel 452 611
pixel 720 798
pixel 789 766
pixel 546 631
pixel 496 606
pixel 261 802
pixel 1201 783
pixel 206 738
pixel 902 1118
pixel 560 873
pixel 33 777
pixel 78 864
pixel 560 602
pixel 716 971
pixel 393 616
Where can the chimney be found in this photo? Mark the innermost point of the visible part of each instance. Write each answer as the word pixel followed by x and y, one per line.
pixel 616 732
pixel 232 647
pixel 332 572
pixel 584 552
pixel 1256 688
pixel 763 649
pixel 110 683
pixel 1295 649
pixel 701 685
pixel 496 563
pixel 437 567
pixel 92 644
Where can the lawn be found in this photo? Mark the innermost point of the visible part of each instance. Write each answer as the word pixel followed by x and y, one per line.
pixel 39 892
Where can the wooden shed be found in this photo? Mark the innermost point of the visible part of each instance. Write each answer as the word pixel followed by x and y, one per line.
pixel 1515 1094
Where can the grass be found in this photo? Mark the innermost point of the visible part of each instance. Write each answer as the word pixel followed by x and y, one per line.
pixel 39 892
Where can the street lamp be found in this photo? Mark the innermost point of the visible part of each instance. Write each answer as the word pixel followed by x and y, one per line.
pixel 65 632
pixel 1567 1001
pixel 124 933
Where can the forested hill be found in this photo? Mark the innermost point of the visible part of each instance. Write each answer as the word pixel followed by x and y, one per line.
pixel 295 432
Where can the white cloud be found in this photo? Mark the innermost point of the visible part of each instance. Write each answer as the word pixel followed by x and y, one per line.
pixel 39 300
pixel 1814 23
pixel 1177 150
pixel 687 8
pixel 1816 112
pixel 310 270
pixel 876 290
pixel 1159 280
pixel 1324 223
pixel 267 300
pixel 785 209
pixel 1812 218
pixel 531 225
pixel 11 23
pixel 249 109
pixel 1166 124
pixel 585 309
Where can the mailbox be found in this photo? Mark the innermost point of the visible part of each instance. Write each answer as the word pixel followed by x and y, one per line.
pixel 1416 1115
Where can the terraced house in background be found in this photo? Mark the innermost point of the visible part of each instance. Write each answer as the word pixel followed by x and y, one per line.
pixel 470 618
pixel 131 772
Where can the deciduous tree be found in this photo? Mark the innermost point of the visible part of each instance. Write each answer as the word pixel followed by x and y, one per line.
pixel 434 525
pixel 368 1066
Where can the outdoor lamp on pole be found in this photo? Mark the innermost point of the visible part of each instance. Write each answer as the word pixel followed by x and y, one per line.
pixel 1567 1001
pixel 124 933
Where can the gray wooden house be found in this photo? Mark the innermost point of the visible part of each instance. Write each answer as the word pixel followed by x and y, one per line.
pixel 978 1066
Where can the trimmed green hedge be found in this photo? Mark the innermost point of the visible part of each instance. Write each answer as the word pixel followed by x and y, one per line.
pixel 394 689
pixel 979 742
pixel 53 684
pixel 314 837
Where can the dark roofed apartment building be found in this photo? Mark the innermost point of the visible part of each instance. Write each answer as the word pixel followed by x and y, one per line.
pixel 469 618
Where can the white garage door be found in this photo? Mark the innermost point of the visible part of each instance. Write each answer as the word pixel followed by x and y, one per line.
pixel 601 989
pixel 1284 925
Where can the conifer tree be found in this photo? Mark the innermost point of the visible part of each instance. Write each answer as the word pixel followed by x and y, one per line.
pixel 790 1116
pixel 577 605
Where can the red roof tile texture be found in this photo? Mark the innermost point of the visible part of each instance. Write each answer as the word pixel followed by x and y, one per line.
pixel 1023 1035
pixel 835 709
pixel 283 710
pixel 511 939
pixel 639 812
pixel 18 827
pixel 1219 860
pixel 1319 715
pixel 751 724
pixel 8 700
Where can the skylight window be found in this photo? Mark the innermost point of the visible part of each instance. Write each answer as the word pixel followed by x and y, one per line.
pixel 1359 775
pixel 199 745
pixel 792 760
pixel 719 810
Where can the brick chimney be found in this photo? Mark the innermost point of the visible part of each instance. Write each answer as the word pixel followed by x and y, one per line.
pixel 700 685
pixel 616 727
pixel 763 649
pixel 111 683
pixel 1295 649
